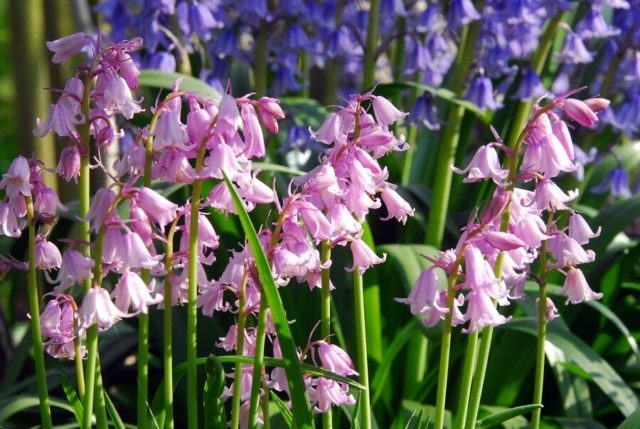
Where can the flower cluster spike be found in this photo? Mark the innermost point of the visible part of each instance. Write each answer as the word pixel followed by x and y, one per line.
pixel 493 257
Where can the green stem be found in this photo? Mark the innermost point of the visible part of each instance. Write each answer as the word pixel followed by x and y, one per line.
pixel 90 375
pixel 260 61
pixel 101 410
pixel 333 66
pixel 34 310
pixel 361 335
pixel 515 139
pixel 237 385
pixel 445 349
pixel 143 364
pixel 265 409
pixel 78 362
pixel 325 312
pixel 540 356
pixel 447 152
pixel 467 378
pixel 167 355
pixel 371 45
pixel 478 379
pixel 192 311
pixel 258 364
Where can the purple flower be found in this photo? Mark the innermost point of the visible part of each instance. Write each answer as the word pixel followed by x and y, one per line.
pixel 616 182
pixel 9 225
pixel 132 292
pixel 335 359
pixel 580 230
pixel 16 180
pixel 577 289
pixel 48 256
pixel 462 12
pixel 574 51
pixel 530 86
pixel 484 165
pixel 480 93
pixel 66 47
pixel 97 309
pixel 75 268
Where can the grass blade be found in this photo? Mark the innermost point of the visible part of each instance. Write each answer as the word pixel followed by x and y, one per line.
pixel 72 397
pixel 300 402
pixel 503 416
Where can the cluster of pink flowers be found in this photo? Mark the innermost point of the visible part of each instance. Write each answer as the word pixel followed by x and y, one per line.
pixel 492 260
pixel 327 204
pixel 126 266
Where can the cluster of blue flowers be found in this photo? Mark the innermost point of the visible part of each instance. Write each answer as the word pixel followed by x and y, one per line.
pixel 601 46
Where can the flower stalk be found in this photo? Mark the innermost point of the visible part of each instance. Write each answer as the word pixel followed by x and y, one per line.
pixel 325 311
pixel 34 310
pixel 237 385
pixel 361 343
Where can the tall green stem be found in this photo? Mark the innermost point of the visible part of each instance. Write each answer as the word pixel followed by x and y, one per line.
pixel 449 143
pixel 333 69
pixel 467 378
pixel 237 385
pixel 77 350
pixel 258 364
pixel 540 356
pixel 515 139
pixel 478 379
pixel 167 354
pixel 361 335
pixel 445 349
pixel 192 311
pixel 325 312
pixel 371 45
pixel 34 309
pixel 260 61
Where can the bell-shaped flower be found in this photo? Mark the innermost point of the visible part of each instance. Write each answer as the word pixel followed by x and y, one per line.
pixel 69 164
pixel 74 269
pixel 9 225
pixel 549 196
pixel 397 206
pixel 481 311
pixel 480 93
pixel 114 96
pixel 335 359
pixel 132 292
pixel 97 309
pixel 567 251
pixel 317 223
pixel 57 320
pixel 46 201
pixel 484 165
pixel 173 166
pixel 330 131
pixel 386 113
pixel 577 289
pixel 48 256
pixel 580 230
pixel 16 180
pixel 363 256
pixel 169 131
pixel 159 209
pixel 136 254
pixel 66 47
pixel 100 208
pixel 574 50
pixel 253 138
pixel 326 392
pixel 425 295
pixel 551 311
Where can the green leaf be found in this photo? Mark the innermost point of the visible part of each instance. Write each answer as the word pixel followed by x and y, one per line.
pixel 613 219
pixel 503 416
pixel 613 317
pixel 381 375
pixel 304 111
pixel 276 168
pixel 20 403
pixel 160 79
pixel 297 389
pixel 282 407
pixel 72 397
pixel 578 352
pixel 631 422
pixel 113 413
pixel 214 414
pixel 446 94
